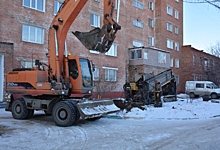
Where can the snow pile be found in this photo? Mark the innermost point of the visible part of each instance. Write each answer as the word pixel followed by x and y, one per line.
pixel 182 109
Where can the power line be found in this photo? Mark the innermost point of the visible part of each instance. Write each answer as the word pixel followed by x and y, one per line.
pixel 211 2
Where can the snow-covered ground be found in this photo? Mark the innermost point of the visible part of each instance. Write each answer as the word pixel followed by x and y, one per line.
pixel 182 109
pixel 177 125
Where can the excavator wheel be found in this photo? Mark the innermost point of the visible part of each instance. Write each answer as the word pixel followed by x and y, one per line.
pixel 77 111
pixel 64 114
pixel 30 113
pixel 19 109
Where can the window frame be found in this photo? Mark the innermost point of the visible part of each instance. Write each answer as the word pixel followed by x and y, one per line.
pixel 29 36
pixel 177 63
pixel 169 10
pixel 176 46
pixel 36 5
pixel 171 62
pixel 138 4
pixel 136 54
pixel 151 22
pixel 170 46
pixel 107 69
pixel 96 74
pixel 59 4
pixel 169 26
pixel 93 22
pixel 112 51
pixel 151 5
pixel 151 41
pixel 176 29
pixel 138 23
pixel 162 58
pixel 176 14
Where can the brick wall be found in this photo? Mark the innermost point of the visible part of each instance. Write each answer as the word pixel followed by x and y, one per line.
pixel 198 71
pixel 13 15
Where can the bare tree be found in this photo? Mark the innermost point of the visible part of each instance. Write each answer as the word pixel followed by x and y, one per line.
pixel 215 49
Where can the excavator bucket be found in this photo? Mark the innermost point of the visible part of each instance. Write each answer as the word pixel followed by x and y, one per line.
pixel 96 108
pixel 97 39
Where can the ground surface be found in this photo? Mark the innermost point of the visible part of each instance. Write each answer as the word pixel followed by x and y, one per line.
pixel 177 126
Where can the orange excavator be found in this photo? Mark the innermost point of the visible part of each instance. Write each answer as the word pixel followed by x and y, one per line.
pixel 62 87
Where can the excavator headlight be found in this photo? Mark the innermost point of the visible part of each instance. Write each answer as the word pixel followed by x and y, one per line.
pixel 89 91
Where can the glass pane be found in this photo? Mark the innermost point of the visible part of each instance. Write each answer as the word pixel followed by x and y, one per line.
pixel 25 33
pixel 33 3
pixel 40 4
pixel 32 34
pixel 26 3
pixel 86 72
pixel 91 19
pixel 39 35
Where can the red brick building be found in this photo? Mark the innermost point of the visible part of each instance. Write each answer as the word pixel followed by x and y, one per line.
pixel 154 23
pixel 196 65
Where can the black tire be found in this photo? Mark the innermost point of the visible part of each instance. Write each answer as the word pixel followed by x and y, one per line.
pixel 30 113
pixel 77 111
pixel 64 114
pixel 19 109
pixel 192 95
pixel 48 113
pixel 214 96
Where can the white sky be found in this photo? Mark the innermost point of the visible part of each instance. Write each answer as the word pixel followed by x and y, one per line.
pixel 201 25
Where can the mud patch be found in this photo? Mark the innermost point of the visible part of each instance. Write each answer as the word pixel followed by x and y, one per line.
pixel 4 130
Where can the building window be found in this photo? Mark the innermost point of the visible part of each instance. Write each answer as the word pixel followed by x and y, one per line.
pixel 176 30
pixel 200 62
pixel 57 6
pixel 138 4
pixel 116 4
pixel 151 41
pixel 176 46
pixel 112 51
pixel 35 4
pixel 169 26
pixel 150 5
pixel 138 23
pixel 145 54
pixel 110 74
pixel 176 15
pixel 136 54
pixel 32 34
pixel 177 79
pixel 194 77
pixel 177 65
pixel 169 10
pixel 169 44
pixel 150 22
pixel 94 20
pixel 96 74
pixel 27 64
pixel 161 57
pixel 137 44
pixel 171 62
pixel 194 60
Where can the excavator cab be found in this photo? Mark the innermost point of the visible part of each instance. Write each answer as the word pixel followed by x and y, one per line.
pixel 98 39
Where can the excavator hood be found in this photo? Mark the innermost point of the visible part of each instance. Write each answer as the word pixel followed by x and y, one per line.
pixel 97 39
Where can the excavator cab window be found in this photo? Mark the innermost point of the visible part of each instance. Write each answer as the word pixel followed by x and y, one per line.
pixel 73 69
pixel 86 70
